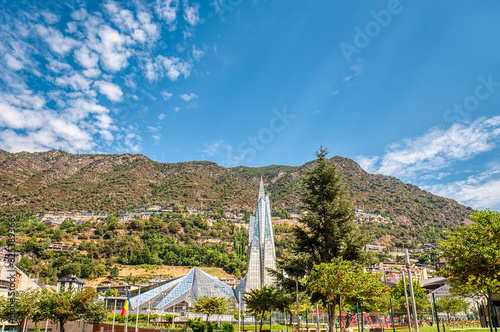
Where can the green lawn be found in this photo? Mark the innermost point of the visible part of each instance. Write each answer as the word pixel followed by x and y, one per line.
pixel 434 329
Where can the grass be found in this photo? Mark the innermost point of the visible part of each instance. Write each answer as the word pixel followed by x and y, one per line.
pixel 434 329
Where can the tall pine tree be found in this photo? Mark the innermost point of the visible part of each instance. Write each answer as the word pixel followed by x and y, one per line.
pixel 328 230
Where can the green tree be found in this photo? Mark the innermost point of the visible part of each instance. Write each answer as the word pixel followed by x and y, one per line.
pixel 473 254
pixel 328 230
pixel 111 292
pixel 451 305
pixel 114 272
pixel 260 301
pixel 68 305
pixel 291 276
pixel 398 296
pixel 26 307
pixel 344 283
pixel 211 306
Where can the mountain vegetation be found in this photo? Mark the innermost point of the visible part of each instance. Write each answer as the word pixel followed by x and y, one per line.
pixel 32 183
pixel 56 180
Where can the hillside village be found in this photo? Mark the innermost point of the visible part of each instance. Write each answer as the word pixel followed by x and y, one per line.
pixel 390 268
pixel 52 219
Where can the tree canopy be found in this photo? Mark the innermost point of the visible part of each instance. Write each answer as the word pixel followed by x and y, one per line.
pixel 343 280
pixel 69 305
pixel 398 295
pixel 211 306
pixel 473 254
pixel 328 230
pixel 26 306
pixel 451 305
pixel 261 301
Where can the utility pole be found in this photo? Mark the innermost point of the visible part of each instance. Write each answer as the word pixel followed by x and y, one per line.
pixel 317 317
pixel 411 290
pixel 138 307
pixel 239 310
pixel 406 303
pixel 392 317
pixel 114 314
pixel 297 298
pixel 435 311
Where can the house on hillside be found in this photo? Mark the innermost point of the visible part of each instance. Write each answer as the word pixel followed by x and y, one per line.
pixel 70 282
pixel 123 289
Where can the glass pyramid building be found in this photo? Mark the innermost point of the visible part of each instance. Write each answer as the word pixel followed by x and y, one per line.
pixel 175 296
pixel 261 254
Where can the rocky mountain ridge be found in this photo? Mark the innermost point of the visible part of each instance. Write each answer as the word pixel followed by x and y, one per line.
pixel 56 180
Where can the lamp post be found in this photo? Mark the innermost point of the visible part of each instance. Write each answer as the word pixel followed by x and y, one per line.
pixel 406 303
pixel 411 290
pixel 138 308
pixel 239 311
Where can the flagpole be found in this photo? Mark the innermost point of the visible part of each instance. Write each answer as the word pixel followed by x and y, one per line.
pixel 138 308
pixel 126 314
pixel 406 302
pixel 149 310
pixel 114 314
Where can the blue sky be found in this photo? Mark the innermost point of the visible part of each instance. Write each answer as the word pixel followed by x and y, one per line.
pixel 406 88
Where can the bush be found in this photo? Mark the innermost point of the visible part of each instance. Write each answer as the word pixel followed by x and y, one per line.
pixel 227 327
pixel 196 324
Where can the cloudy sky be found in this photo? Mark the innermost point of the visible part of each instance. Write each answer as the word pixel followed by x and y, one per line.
pixel 406 88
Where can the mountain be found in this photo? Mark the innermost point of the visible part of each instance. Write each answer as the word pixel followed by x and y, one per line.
pixel 56 180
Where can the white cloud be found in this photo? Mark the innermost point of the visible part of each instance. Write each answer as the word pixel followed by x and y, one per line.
pixel 177 109
pixel 71 130
pixel 112 91
pixel 81 58
pixel 175 67
pixel 50 18
pixel 92 72
pixel 222 153
pixel 167 10
pixel 56 40
pixel 151 29
pixel 153 129
pixel 197 54
pixel 156 139
pixel 166 95
pixel 12 62
pixel 132 141
pixel 431 157
pixel 436 149
pixel 86 57
pixel 58 66
pixel 356 70
pixel 188 97
pixel 79 15
pixel 479 191
pixel 18 54
pixel 367 163
pixel 18 118
pixel 114 54
pixel 172 67
pixel 192 13
pixel 141 30
pixel 76 82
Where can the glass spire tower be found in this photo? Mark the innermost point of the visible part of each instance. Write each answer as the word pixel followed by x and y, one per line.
pixel 261 254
